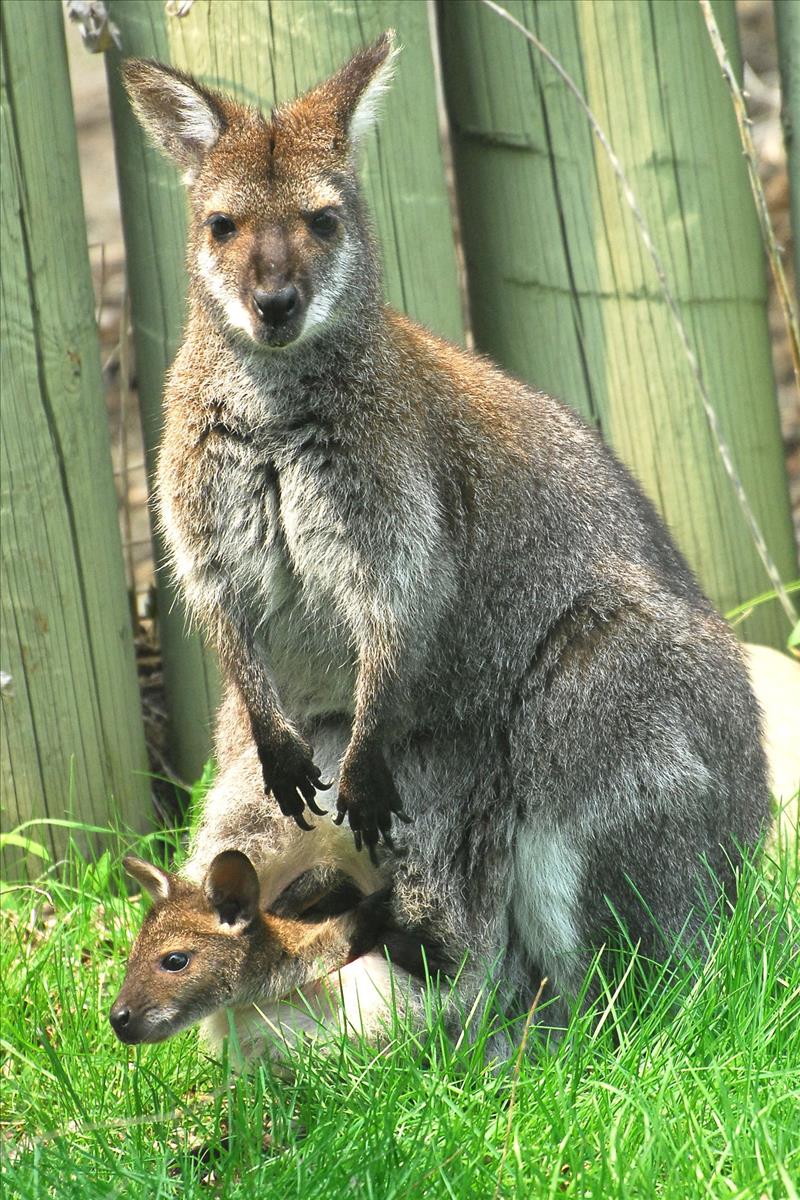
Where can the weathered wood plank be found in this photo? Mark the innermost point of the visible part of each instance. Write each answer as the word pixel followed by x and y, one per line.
pixel 72 734
pixel 562 290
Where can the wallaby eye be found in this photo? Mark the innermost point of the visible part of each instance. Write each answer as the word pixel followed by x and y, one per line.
pixel 221 227
pixel 323 223
pixel 175 961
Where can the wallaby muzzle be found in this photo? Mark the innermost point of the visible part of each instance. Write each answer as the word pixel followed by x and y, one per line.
pixel 134 1028
pixel 280 314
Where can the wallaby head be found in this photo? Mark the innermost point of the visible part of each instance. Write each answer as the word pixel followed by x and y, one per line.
pixel 278 245
pixel 197 949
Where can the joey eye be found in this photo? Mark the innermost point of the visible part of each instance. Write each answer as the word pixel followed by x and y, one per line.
pixel 323 223
pixel 176 961
pixel 221 227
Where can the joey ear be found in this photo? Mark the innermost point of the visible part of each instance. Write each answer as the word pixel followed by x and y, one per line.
pixel 153 880
pixel 358 87
pixel 182 117
pixel 232 889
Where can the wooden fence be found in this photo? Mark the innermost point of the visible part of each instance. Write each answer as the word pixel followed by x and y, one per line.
pixel 561 292
pixel 72 733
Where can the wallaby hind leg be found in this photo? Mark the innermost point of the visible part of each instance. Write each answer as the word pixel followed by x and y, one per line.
pixel 655 782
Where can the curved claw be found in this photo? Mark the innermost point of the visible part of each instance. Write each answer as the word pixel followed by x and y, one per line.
pixel 357 839
pixel 306 789
pixel 373 854
pixel 340 816
pixel 293 779
pixel 403 816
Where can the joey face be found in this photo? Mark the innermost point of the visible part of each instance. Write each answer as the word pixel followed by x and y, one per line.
pixel 278 247
pixel 182 968
pixel 195 951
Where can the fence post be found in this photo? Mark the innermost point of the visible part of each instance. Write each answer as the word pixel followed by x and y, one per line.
pixel 562 290
pixel 266 51
pixel 72 733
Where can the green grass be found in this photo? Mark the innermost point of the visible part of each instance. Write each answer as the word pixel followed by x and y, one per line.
pixel 644 1098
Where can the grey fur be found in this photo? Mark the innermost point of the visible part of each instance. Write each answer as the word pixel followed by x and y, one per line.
pixel 427 572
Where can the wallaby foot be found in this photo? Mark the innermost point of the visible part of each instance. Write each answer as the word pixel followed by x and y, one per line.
pixel 369 799
pixel 321 891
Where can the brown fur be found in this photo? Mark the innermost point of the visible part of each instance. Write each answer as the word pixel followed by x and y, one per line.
pixel 238 956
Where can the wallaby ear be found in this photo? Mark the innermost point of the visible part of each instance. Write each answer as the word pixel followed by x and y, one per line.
pixel 156 883
pixel 183 118
pixel 358 87
pixel 232 889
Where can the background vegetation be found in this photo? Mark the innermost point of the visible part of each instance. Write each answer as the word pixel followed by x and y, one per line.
pixel 666 1089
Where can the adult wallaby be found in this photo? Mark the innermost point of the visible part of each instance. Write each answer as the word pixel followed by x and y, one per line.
pixel 438 579
pixel 207 952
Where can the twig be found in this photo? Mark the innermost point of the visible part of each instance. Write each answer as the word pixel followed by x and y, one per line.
pixel 98 316
pixel 515 1084
pixel 609 1008
pixel 134 466
pixel 112 360
pixel 672 305
pixel 767 232
pixel 164 1116
pixel 446 144
pixel 124 392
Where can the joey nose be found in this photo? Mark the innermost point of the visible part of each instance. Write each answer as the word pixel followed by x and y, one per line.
pixel 275 308
pixel 120 1018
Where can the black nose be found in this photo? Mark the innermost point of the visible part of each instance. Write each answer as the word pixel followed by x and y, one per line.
pixel 119 1018
pixel 275 308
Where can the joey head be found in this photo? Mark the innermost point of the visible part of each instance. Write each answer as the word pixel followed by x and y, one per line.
pixel 206 948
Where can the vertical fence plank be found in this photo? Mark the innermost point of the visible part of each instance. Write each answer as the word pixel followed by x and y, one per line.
pixel 154 218
pixel 562 290
pixel 266 51
pixel 72 734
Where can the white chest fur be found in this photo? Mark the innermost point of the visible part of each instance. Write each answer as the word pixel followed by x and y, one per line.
pixel 266 549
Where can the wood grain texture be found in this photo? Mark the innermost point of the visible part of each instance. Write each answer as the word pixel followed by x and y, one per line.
pixel 72 733
pixel 154 219
pixel 266 51
pixel 562 290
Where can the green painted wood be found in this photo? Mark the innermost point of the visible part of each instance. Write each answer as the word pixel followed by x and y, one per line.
pixel 72 733
pixel 154 218
pixel 266 51
pixel 787 23
pixel 561 288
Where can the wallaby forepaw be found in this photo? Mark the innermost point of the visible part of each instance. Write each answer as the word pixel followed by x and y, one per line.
pixel 369 800
pixel 293 779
